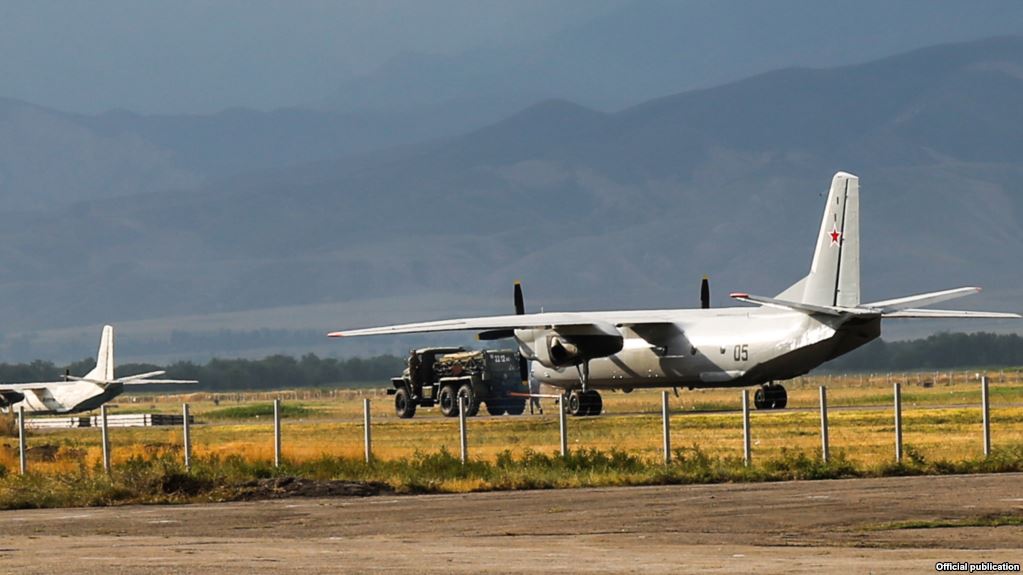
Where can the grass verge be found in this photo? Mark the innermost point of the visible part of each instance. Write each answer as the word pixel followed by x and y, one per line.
pixel 255 410
pixel 160 477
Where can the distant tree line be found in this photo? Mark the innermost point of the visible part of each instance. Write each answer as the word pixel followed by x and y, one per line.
pixel 941 351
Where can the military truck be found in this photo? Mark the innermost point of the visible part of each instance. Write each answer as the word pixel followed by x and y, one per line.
pixel 442 375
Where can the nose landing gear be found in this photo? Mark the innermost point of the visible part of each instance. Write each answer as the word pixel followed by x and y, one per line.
pixel 770 396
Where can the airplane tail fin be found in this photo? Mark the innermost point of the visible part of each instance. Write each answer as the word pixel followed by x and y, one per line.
pixel 104 370
pixel 834 278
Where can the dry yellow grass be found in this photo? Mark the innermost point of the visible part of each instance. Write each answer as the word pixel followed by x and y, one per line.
pixel 936 425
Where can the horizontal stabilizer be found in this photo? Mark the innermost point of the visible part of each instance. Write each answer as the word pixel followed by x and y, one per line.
pixel 947 313
pixel 792 305
pixel 146 379
pixel 140 376
pixel 137 379
pixel 921 299
pixel 74 378
pixel 158 381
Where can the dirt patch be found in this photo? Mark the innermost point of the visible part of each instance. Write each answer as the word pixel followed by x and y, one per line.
pixel 280 487
pixel 45 452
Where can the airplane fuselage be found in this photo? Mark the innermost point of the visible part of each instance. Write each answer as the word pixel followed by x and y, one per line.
pixel 721 347
pixel 61 398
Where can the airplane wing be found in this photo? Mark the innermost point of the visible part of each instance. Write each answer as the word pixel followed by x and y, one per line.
pixel 38 386
pixel 565 322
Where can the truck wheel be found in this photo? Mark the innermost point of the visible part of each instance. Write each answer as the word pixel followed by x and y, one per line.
pixel 472 403
pixel 495 407
pixel 515 406
pixel 448 400
pixel 403 404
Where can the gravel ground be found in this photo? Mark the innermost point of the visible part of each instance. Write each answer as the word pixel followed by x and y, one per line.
pixel 791 527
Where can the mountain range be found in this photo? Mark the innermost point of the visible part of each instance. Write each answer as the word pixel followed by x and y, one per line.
pixel 590 209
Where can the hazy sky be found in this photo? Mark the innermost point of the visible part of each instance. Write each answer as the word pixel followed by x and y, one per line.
pixel 192 56
pixel 202 56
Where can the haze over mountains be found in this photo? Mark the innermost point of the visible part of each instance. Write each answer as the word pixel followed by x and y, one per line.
pixel 607 55
pixel 273 221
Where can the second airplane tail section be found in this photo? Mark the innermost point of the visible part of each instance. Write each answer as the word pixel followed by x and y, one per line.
pixel 104 370
pixel 834 278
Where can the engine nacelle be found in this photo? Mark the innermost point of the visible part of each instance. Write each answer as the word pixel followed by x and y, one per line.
pixel 562 352
pixel 555 349
pixel 9 398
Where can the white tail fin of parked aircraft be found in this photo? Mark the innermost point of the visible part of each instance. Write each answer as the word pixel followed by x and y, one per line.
pixel 834 278
pixel 76 394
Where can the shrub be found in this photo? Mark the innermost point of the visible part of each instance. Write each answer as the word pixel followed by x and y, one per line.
pixel 8 425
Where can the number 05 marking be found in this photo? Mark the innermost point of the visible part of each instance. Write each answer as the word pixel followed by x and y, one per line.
pixel 741 352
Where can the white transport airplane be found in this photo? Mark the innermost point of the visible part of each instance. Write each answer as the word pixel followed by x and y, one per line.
pixel 76 394
pixel 818 318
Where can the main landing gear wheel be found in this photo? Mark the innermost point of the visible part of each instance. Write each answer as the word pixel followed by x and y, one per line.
pixel 586 402
pixel 770 396
pixel 448 400
pixel 596 403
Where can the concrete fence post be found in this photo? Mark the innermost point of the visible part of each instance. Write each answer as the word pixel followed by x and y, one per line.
pixel 985 400
pixel 666 427
pixel 104 437
pixel 824 424
pixel 22 448
pixel 897 391
pixel 746 453
pixel 563 426
pixel 366 425
pixel 462 435
pixel 277 432
pixel 186 437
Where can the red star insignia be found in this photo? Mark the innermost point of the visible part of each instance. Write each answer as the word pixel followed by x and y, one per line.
pixel 836 236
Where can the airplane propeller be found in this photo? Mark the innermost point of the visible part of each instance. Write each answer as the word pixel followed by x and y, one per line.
pixel 705 293
pixel 520 309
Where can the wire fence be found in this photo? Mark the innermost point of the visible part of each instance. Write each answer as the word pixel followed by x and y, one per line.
pixel 871 427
